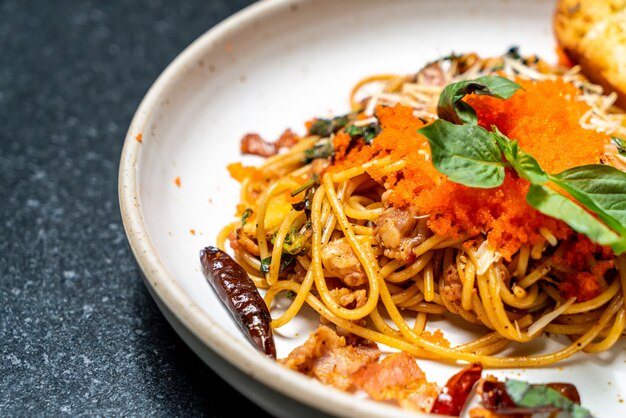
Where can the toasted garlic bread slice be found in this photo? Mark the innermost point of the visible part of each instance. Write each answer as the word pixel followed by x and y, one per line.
pixel 593 34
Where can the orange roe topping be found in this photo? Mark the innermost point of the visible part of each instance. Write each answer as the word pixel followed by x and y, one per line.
pixel 239 172
pixel 586 279
pixel 177 181
pixel 543 118
pixel 192 231
pixel 139 137
pixel 436 337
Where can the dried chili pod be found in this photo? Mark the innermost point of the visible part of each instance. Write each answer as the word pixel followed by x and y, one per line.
pixel 457 390
pixel 238 292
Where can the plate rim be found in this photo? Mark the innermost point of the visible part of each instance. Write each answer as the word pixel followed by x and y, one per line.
pixel 164 286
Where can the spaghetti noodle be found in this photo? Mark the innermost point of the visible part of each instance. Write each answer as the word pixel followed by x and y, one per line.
pixel 354 221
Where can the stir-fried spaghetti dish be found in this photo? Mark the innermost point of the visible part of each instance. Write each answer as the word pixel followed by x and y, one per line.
pixel 487 189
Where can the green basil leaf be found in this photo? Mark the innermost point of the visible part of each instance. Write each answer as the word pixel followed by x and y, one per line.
pixel 535 396
pixel 523 163
pixel 620 143
pixel 556 205
pixel 601 189
pixel 467 154
pixel 452 108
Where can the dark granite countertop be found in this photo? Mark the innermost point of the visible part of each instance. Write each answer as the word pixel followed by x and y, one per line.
pixel 79 332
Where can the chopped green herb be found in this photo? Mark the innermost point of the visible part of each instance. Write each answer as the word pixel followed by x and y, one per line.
pixel 290 294
pixel 306 203
pixel 325 127
pixel 536 396
pixel 297 241
pixel 246 214
pixel 513 52
pixel 306 186
pixel 286 261
pixel 620 143
pixel 322 149
pixel 367 132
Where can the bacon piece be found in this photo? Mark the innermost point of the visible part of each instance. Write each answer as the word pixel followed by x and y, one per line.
pixel 253 144
pixel 326 357
pixel 432 75
pixel 397 377
pixel 318 344
pixel 286 140
pixel 335 367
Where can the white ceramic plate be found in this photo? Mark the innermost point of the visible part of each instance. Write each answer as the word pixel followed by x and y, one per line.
pixel 273 66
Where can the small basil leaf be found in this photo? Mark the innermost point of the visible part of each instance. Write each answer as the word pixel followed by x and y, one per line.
pixel 368 132
pixel 322 149
pixel 535 396
pixel 467 154
pixel 556 205
pixel 265 265
pixel 523 163
pixel 286 261
pixel 601 189
pixel 620 143
pixel 325 127
pixel 452 108
pixel 246 214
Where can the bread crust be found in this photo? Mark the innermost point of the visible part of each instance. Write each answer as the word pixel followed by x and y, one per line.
pixel 593 34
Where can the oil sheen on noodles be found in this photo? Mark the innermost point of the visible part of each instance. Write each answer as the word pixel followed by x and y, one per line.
pixel 515 298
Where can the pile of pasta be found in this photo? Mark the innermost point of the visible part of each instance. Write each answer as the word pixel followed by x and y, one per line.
pixel 353 220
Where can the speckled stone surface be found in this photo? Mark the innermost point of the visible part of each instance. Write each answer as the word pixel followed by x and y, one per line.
pixel 79 333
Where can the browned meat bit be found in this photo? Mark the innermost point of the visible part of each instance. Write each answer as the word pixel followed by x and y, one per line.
pixel 286 140
pixel 255 145
pixel 398 232
pixel 432 75
pixel 239 294
pixel 349 298
pixel 243 240
pixel 326 356
pixel 339 259
pixel 336 367
pixel 452 285
pixel 319 343
pixel 397 377
pixel 298 273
